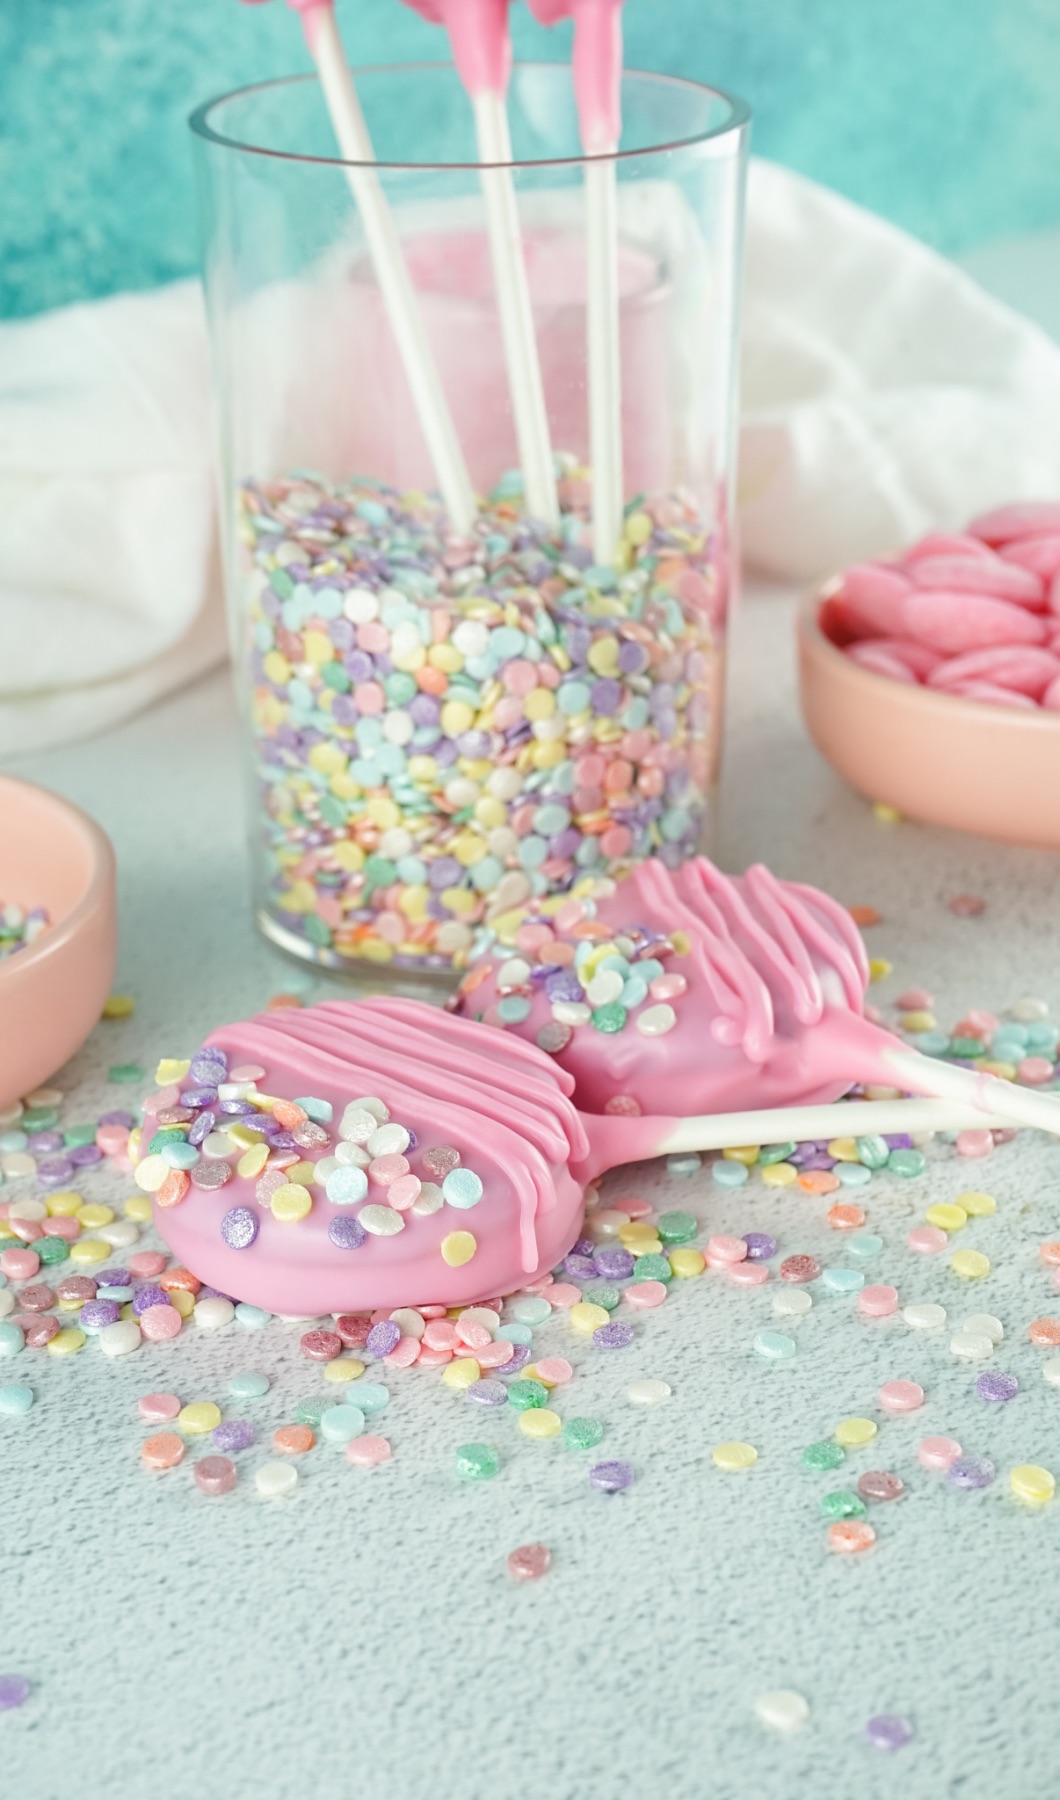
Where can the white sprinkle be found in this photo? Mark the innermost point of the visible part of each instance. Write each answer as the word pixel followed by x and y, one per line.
pixel 34 1210
pixel 1029 1010
pixel 608 1222
pixel 121 1337
pixel 1050 1369
pixel 656 1021
pixel 119 1234
pixel 515 973
pixel 353 1156
pixel 45 1096
pixel 213 1312
pixel 430 1199
pixel 571 1012
pixel 971 1346
pixel 605 987
pixel 648 1392
pixel 782 1709
pixel 792 1303
pixel 275 1478
pixel 411 1323
pixel 985 1324
pixel 388 1140
pixel 358 1123
pixel 925 1316
pixel 7 1302
pixel 381 1221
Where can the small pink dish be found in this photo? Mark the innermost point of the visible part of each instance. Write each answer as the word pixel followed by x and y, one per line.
pixel 934 756
pixel 52 991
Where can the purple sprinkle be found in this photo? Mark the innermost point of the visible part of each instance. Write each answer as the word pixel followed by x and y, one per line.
pixel 212 1293
pixel 85 1154
pixel 614 1263
pixel 97 1313
pixel 198 1096
pixel 117 1118
pixel 55 1172
pixel 487 1393
pixel 241 1108
pixel 14 1691
pixel 898 1140
pixel 610 1477
pixel 201 1128
pixel 232 1434
pixel 114 1278
pixel 993 1384
pixel 383 1338
pixel 521 1354
pixel 889 1731
pixel 239 1228
pixel 346 1233
pixel 44 1143
pixel 613 1336
pixel 583 1246
pixel 760 1246
pixel 564 986
pixel 149 1296
pixel 580 1268
pixel 972 1472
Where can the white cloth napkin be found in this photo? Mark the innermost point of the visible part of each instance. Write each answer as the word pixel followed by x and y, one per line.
pixel 883 394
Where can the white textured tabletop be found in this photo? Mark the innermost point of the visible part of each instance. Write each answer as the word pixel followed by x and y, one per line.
pixel 363 1636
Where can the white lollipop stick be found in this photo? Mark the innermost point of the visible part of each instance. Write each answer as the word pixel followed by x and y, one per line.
pixel 843 1118
pixel 597 71
pixel 388 261
pixel 482 51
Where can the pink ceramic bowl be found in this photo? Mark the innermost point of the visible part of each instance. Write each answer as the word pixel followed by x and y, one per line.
pixel 936 757
pixel 52 992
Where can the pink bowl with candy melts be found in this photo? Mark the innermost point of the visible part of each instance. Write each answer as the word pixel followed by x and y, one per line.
pixel 935 756
pixel 52 992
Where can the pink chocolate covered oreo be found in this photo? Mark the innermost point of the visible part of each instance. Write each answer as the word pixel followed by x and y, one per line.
pixel 683 992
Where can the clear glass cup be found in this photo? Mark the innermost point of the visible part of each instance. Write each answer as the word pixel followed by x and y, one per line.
pixel 441 730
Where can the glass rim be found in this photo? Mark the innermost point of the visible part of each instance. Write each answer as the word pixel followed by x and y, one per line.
pixel 734 125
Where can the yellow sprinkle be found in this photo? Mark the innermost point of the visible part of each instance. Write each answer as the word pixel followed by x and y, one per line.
pixel 887 815
pixel 253 1160
pixel 127 1311
pixel 183 1302
pixel 780 1174
pixel 132 1149
pixel 150 1174
pixel 118 1006
pixel 976 1205
pixel 67 1342
pixel 639 527
pixel 970 1265
pixel 348 855
pixel 456 717
pixel 1005 1071
pixel 853 1432
pixel 1028 1481
pixel 734 1456
pixel 745 1153
pixel 918 1021
pixel 540 1422
pixel 291 1202
pixel 946 1217
pixel 198 1417
pixel 540 703
pixel 687 1262
pixel 318 649
pixel 244 1135
pixel 303 1174
pixel 88 1250
pixel 171 1069
pixel 137 1208
pixel 458 1247
pixel 461 1372
pixel 531 1373
pixel 879 968
pixel 344 1368
pixel 844 1149
pixel 586 1318
pixel 277 668
pixel 66 1204
pixel 92 1218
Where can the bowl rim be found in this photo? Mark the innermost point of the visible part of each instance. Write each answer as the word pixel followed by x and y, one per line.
pixel 103 866
pixel 957 707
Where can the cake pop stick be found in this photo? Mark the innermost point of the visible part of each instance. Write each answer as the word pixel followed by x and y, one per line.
pixel 692 992
pixel 381 1153
pixel 478 33
pixel 597 70
pixel 388 260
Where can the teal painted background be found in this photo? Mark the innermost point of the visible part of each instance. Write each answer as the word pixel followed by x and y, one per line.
pixel 941 114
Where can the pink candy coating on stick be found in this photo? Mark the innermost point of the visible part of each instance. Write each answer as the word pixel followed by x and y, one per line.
pixel 597 65
pixel 478 33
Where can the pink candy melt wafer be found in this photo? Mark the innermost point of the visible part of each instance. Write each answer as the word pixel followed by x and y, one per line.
pixel 951 621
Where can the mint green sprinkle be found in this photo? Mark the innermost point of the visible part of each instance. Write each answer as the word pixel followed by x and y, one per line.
pixel 873 1152
pixel 78 1135
pixel 526 1394
pixel 825 1455
pixel 582 1434
pixel 609 1018
pixel 125 1073
pixel 607 1297
pixel 843 1504
pixel 907 1162
pixel 309 1412
pixel 477 1462
pixel 677 1227
pixel 775 1153
pixel 652 1268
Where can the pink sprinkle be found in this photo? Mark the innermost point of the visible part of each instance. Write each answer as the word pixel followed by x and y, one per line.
pixel 644 1294
pixel 368 1452
pixel 147 1262
pixel 402 1192
pixel 157 1407
pixel 1034 1070
pixel 387 1169
pixel 167 1096
pixel 440 1334
pixel 633 1209
pixel 26 1229
pixel 247 1072
pixel 901 1396
pixel 529 1562
pixel 926 1240
pixel 215 1475
pixel 563 1295
pixel 495 1355
pixel 878 1302
pixel 915 1000
pixel 974 1143
pixel 746 1274
pixel 938 1452
pixel 160 1322
pixel 19 1264
pixel 667 987
pixel 555 1370
pixel 724 1249
pixel 435 1311
pixel 112 1139
pixel 405 1352
pixel 432 1359
pixel 472 1333
pixel 983 1024
pixel 69 1229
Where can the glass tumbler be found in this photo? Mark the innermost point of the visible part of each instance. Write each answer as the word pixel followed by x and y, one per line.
pixel 449 721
